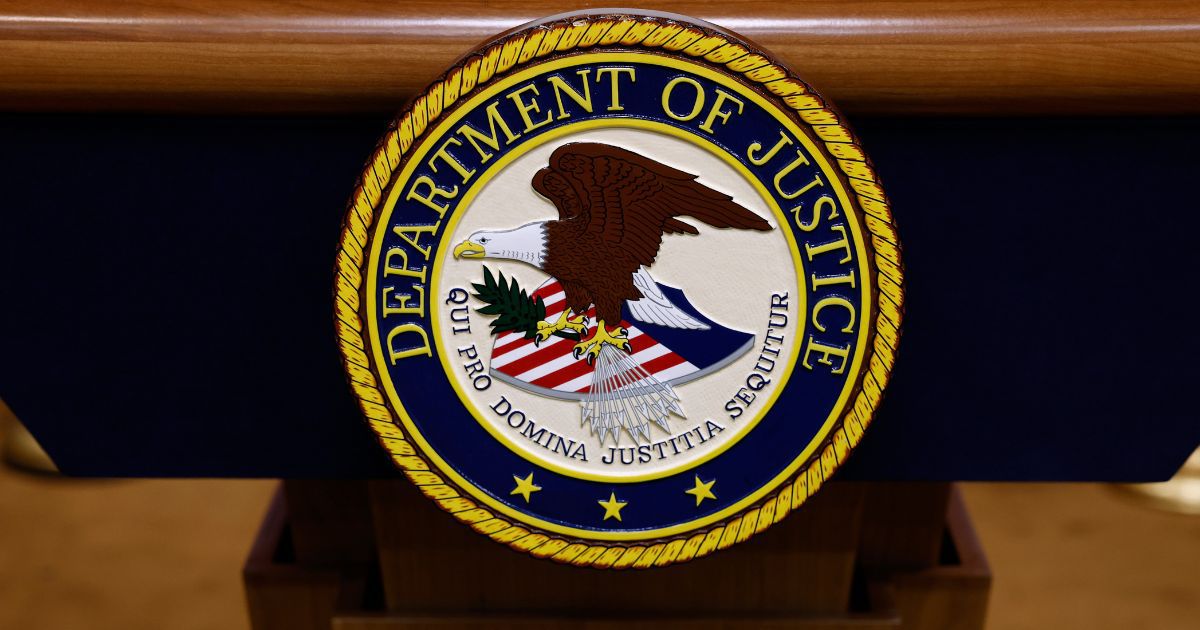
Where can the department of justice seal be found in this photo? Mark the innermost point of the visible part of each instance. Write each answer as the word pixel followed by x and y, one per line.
pixel 618 290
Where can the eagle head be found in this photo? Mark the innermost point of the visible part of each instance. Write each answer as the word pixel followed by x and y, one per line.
pixel 526 244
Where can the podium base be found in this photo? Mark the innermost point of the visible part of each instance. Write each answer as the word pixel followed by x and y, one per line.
pixel 359 555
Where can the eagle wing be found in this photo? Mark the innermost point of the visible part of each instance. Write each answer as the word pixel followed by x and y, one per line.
pixel 629 201
pixel 618 205
pixel 656 308
pixel 558 189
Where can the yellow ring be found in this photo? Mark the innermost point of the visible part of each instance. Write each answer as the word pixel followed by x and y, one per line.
pixel 627 31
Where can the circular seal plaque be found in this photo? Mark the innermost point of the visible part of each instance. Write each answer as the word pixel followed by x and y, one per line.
pixel 618 290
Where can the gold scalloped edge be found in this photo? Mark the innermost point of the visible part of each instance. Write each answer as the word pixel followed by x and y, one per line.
pixel 622 31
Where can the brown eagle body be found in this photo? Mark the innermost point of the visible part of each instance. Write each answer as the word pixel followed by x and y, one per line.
pixel 614 207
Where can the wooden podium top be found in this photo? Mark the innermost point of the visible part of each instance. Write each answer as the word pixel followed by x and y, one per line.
pixel 869 56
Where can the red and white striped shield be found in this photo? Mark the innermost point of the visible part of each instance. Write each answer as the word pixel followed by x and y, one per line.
pixel 550 368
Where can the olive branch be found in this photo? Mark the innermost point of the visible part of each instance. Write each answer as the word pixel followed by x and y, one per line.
pixel 513 308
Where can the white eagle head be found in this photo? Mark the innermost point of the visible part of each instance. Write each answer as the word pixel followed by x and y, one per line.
pixel 526 244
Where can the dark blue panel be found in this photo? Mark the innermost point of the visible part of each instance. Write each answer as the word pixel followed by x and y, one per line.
pixel 1051 279
pixel 165 296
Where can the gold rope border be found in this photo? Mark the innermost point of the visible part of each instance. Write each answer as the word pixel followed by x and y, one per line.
pixel 650 31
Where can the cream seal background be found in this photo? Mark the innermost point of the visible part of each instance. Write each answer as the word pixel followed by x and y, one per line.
pixel 728 275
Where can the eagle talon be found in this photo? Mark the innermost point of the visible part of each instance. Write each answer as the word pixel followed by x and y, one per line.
pixel 590 347
pixel 545 330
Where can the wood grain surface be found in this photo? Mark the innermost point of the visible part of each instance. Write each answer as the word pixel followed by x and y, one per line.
pixel 165 554
pixel 869 56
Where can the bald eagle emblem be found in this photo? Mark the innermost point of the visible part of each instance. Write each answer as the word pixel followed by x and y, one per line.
pixel 614 209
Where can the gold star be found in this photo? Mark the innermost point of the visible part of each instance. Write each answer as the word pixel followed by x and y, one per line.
pixel 702 490
pixel 525 487
pixel 612 507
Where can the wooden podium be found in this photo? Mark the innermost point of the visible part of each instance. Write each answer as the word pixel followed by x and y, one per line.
pixel 355 554
pixel 375 554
